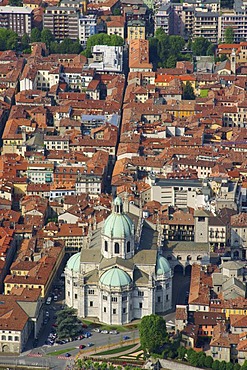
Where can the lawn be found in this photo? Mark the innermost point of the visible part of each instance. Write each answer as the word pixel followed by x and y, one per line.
pixel 116 350
pixel 204 93
pixel 60 352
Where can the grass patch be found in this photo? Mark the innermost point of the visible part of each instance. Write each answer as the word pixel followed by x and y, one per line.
pixel 119 328
pixel 116 350
pixel 204 93
pixel 137 350
pixel 60 352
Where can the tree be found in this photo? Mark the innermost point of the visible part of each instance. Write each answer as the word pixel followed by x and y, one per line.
pixel 188 92
pixel 35 35
pixel 237 367
pixel 8 39
pixel 216 365
pixel 116 11
pixel 229 366
pixel 244 366
pixel 153 333
pixel 222 365
pixel 25 40
pixel 47 37
pixel 171 61
pixel 68 325
pixel 200 46
pixel 211 49
pixel 208 362
pixel 15 2
pixel 229 35
pixel 181 352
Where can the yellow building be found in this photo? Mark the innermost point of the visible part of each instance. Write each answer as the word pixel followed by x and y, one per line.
pixel 136 29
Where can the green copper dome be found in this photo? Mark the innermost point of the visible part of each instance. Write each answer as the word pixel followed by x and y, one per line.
pixel 74 262
pixel 162 265
pixel 115 277
pixel 118 224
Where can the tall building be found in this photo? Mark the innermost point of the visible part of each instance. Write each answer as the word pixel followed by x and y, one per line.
pixel 62 21
pixel 16 18
pixel 113 280
pixel 87 27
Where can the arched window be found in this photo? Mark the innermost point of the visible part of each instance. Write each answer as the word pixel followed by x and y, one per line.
pixel 106 246
pixel 128 247
pixel 116 247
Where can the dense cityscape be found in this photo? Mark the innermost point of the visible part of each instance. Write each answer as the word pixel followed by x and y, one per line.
pixel 123 184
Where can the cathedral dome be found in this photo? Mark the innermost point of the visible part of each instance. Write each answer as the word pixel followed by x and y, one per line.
pixel 162 265
pixel 73 263
pixel 115 277
pixel 118 224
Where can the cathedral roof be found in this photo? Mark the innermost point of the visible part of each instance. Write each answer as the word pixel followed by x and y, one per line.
pixel 73 263
pixel 108 262
pixel 118 224
pixel 115 277
pixel 162 266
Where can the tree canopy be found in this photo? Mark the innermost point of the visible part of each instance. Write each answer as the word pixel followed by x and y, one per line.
pixel 35 35
pixel 8 39
pixel 201 46
pixel 67 46
pixel 188 92
pixel 47 37
pixel 102 39
pixel 164 50
pixel 229 35
pixel 153 333
pixel 68 325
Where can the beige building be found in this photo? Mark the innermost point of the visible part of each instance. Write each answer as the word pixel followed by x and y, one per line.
pixel 136 29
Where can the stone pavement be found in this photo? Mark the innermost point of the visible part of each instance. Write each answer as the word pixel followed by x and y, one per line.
pixel 172 365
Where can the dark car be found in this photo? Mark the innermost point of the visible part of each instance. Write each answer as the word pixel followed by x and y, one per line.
pixel 126 337
pixel 81 346
pixel 67 354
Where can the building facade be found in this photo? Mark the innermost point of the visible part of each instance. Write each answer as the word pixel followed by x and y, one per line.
pixel 114 281
pixel 63 22
pixel 16 18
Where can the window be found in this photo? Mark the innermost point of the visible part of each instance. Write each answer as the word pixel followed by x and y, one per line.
pixel 104 298
pixel 167 285
pixel 167 297
pixel 10 337
pixel 91 291
pixel 128 247
pixel 114 299
pixel 91 303
pixel 68 294
pixel 16 339
pixel 159 300
pixel 114 311
pixel 3 337
pixel 116 247
pixel 124 310
pixel 140 294
pixel 106 246
pixel 75 296
pixel 159 287
pixel 124 298
pixel 201 219
pixel 140 305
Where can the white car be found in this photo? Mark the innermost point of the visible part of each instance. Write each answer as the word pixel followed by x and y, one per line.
pixel 48 301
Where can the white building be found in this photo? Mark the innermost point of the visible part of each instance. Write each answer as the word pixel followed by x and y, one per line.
pixel 16 18
pixel 107 58
pixel 113 281
pixel 87 27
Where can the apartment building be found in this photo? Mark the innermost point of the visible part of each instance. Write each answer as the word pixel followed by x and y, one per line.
pixel 62 21
pixel 164 18
pixel 206 25
pixel 136 30
pixel 87 27
pixel 16 18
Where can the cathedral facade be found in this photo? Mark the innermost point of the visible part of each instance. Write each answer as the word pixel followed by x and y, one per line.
pixel 112 281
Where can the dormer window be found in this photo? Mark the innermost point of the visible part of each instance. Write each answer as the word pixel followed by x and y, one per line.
pixel 116 248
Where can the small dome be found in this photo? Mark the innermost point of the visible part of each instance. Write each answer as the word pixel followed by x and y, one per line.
pixel 118 201
pixel 162 265
pixel 73 263
pixel 115 277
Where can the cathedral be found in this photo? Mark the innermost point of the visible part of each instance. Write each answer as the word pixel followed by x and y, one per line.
pixel 112 280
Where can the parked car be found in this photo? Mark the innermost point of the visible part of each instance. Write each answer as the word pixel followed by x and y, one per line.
pixel 81 346
pixel 87 334
pixel 48 301
pixel 97 330
pixel 67 354
pixel 46 320
pixel 90 344
pixel 55 298
pixel 126 337
pixel 113 332
pixel 104 331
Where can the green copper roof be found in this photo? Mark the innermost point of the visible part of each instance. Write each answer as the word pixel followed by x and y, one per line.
pixel 115 277
pixel 74 262
pixel 118 224
pixel 162 265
